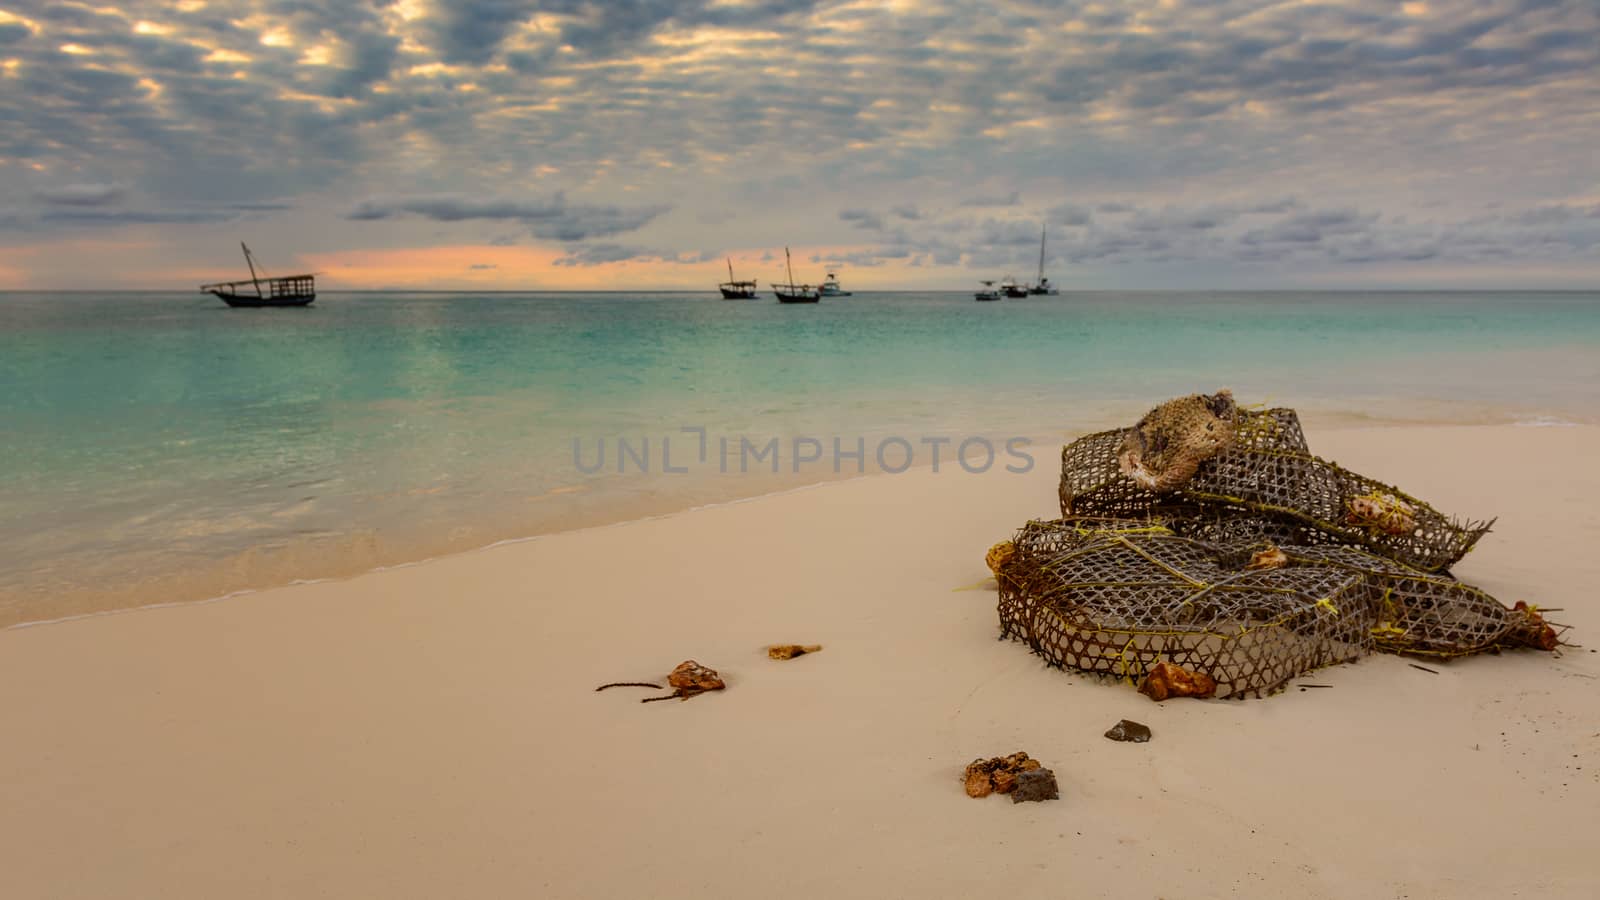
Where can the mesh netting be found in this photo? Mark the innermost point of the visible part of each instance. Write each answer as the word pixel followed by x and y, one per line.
pixel 1268 485
pixel 1115 597
pixel 1265 563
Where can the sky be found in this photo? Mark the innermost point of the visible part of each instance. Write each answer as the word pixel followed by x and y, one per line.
pixel 904 144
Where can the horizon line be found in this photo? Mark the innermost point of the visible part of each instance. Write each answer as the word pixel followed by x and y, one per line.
pixel 857 292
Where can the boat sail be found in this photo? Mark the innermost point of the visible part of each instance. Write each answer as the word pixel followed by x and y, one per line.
pixel 1043 285
pixel 284 290
pixel 795 293
pixel 737 290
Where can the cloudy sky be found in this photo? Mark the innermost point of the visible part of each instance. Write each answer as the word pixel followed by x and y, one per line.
pixel 903 143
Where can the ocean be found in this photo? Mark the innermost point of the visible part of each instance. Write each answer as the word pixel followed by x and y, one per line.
pixel 160 447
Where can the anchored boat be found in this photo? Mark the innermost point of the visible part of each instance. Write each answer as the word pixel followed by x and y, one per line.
pixel 830 287
pixel 795 293
pixel 737 290
pixel 1043 285
pixel 284 290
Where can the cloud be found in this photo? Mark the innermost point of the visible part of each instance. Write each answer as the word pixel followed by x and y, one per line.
pixel 1143 132
pixel 1281 205
pixel 1256 234
pixel 1170 219
pixel 482 266
pixel 13 32
pixel 1367 251
pixel 862 218
pixel 367 59
pixel 864 259
pixel 1012 199
pixel 581 223
pixel 549 217
pixel 693 259
pixel 81 194
pixel 475 31
pixel 471 31
pixel 456 208
pixel 1558 213
pixel 260 207
pixel 1312 227
pixel 1008 233
pixel 1070 214
pixel 140 217
pixel 90 217
pixel 600 254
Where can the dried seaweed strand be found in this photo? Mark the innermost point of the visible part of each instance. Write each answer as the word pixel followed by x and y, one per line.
pixel 644 684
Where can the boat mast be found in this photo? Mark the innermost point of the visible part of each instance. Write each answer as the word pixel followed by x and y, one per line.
pixel 251 263
pixel 1041 255
pixel 790 264
pixel 730 270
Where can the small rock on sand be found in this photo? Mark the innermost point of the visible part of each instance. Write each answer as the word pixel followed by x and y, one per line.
pixel 1035 784
pixel 1129 731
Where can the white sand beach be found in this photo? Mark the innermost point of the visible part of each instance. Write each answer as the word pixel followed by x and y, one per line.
pixel 432 730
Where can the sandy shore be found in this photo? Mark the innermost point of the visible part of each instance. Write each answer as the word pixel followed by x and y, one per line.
pixel 431 731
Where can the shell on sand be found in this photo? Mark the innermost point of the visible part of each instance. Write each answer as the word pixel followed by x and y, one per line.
pixel 691 678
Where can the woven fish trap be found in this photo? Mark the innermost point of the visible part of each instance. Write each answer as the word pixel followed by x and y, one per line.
pixel 1114 597
pixel 1092 482
pixel 1269 481
pixel 1418 613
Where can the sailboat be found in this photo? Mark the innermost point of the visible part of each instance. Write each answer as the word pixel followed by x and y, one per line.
pixel 987 294
pixel 737 290
pixel 1010 288
pixel 285 290
pixel 795 293
pixel 1043 285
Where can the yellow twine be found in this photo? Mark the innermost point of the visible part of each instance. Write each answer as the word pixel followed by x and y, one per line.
pixel 1122 660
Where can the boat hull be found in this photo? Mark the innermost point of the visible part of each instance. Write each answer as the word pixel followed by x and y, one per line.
pixel 737 294
pixel 982 297
pixel 796 293
pixel 257 302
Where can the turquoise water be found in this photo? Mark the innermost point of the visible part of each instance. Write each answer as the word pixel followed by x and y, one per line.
pixel 160 447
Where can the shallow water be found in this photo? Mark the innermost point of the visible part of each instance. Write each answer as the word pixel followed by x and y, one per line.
pixel 160 447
